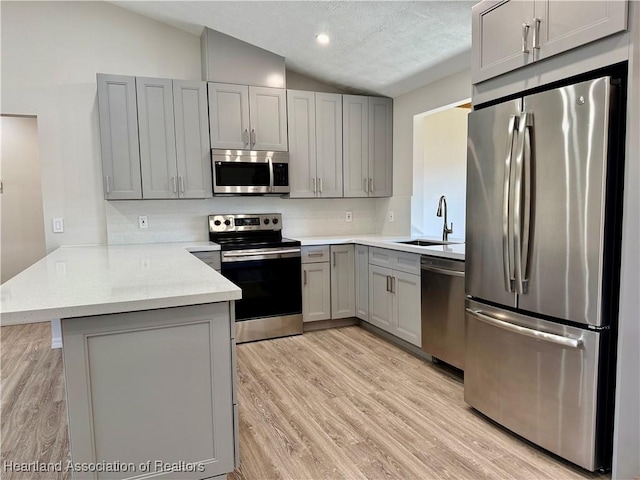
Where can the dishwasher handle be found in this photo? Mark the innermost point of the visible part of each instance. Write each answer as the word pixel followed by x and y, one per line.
pixel 443 271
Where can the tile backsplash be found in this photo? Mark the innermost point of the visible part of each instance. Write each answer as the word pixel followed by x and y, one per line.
pixel 186 220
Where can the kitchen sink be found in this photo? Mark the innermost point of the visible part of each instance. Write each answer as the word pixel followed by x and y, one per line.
pixel 427 243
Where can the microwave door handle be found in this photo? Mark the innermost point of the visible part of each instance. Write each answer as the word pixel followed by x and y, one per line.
pixel 270 174
pixel 506 241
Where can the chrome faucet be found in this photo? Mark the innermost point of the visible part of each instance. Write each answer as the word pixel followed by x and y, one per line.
pixel 445 230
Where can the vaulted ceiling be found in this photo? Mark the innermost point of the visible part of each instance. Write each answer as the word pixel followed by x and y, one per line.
pixel 381 47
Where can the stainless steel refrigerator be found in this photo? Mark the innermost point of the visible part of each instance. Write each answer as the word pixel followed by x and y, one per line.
pixel 542 265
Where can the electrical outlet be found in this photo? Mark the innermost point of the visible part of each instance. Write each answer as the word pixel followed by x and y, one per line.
pixel 349 217
pixel 142 221
pixel 391 217
pixel 58 225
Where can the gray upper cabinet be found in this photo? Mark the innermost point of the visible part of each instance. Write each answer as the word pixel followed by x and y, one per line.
pixel 157 138
pixel 247 118
pixel 229 116
pixel 119 137
pixel 368 146
pixel 267 116
pixel 154 136
pixel 315 144
pixel 508 34
pixel 193 153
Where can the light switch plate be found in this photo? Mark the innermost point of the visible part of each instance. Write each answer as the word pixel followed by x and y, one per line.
pixel 58 225
pixel 349 216
pixel 391 217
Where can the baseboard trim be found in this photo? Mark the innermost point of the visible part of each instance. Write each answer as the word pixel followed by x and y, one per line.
pixel 324 324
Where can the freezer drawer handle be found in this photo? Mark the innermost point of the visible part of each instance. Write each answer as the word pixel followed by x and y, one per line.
pixel 529 332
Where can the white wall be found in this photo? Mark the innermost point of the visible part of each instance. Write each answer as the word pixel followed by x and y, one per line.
pixel 407 201
pixel 21 201
pixel 445 169
pixel 51 52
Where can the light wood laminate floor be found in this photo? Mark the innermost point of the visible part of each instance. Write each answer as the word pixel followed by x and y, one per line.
pixel 338 403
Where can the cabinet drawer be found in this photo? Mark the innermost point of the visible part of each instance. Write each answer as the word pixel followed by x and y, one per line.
pixel 405 262
pixel 315 254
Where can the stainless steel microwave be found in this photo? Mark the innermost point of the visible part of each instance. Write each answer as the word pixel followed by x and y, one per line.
pixel 250 172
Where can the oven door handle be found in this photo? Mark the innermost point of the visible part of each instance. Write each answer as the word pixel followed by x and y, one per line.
pixel 257 255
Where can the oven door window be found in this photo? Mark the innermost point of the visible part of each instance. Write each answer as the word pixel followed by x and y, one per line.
pixel 269 287
pixel 241 174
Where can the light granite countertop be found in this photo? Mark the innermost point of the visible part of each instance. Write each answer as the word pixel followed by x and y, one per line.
pixel 454 251
pixel 103 279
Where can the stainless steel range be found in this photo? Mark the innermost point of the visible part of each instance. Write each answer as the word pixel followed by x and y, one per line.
pixel 267 268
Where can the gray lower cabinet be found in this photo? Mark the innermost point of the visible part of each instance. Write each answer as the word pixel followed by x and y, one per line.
pixel 119 142
pixel 152 386
pixel 394 293
pixel 508 34
pixel 328 282
pixel 154 134
pixel 362 282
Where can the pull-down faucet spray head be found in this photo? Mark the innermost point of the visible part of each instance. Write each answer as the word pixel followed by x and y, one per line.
pixel 445 229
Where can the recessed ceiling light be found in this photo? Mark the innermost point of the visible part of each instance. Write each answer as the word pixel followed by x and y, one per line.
pixel 322 38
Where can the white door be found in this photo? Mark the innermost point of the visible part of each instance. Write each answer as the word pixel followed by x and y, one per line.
pixel 329 144
pixel 316 291
pixel 380 298
pixel 406 296
pixel 355 145
pixel 192 139
pixel 380 147
pixel 229 116
pixel 21 215
pixel 268 118
pixel 343 301
pixel 156 126
pixel 301 119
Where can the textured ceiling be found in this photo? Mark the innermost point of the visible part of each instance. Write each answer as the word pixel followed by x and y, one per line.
pixel 382 47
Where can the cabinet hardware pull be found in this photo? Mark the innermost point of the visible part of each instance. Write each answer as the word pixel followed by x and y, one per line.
pixel 334 259
pixel 314 185
pixel 525 35
pixel 181 183
pixel 388 282
pixel 316 254
pixel 371 185
pixel 536 34
pixel 106 178
pixel 253 137
pixel 304 275
pixel 320 180
pixel 366 185
pixel 245 136
pixel 175 187
pixel 393 284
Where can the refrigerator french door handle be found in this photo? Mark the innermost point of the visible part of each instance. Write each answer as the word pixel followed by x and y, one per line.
pixel 506 241
pixel 521 213
pixel 568 342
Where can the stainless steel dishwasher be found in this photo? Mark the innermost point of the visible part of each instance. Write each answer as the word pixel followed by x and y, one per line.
pixel 443 309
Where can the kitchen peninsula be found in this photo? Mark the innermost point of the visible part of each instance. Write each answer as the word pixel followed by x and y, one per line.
pixel 149 357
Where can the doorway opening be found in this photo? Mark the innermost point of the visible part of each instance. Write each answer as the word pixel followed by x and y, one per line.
pixel 439 168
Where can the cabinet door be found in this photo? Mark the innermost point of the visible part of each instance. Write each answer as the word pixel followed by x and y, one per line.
pixel 343 283
pixel 380 147
pixel 301 118
pixel 362 282
pixel 355 144
pixel 316 292
pixel 267 113
pixel 118 113
pixel 157 138
pixel 498 37
pixel 329 144
pixel 406 298
pixel 192 139
pixel 229 116
pixel 381 298
pixel 563 25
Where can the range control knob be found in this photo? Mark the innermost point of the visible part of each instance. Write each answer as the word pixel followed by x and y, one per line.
pixel 217 223
pixel 227 222
pixel 275 221
pixel 266 221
